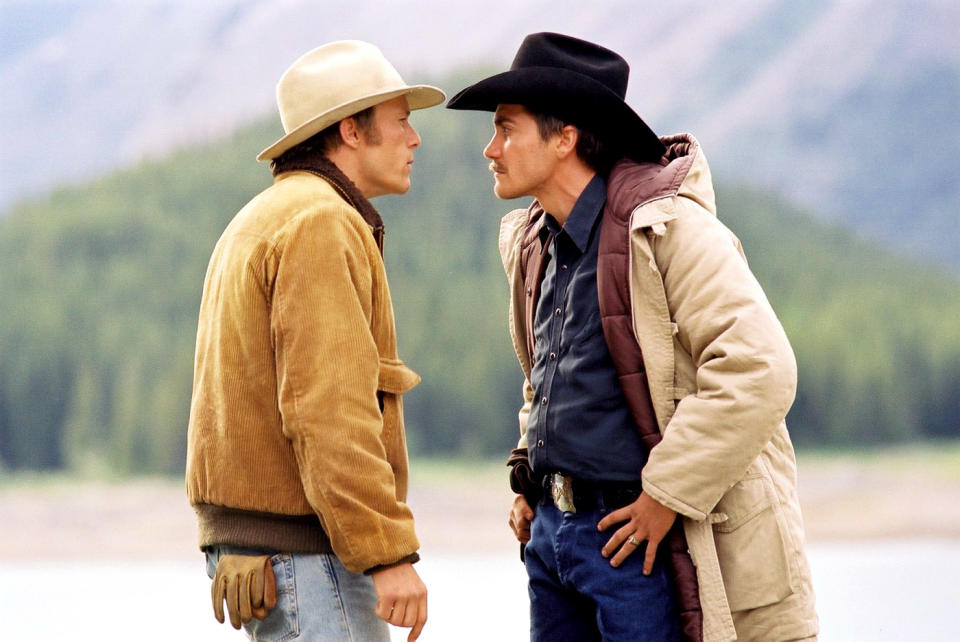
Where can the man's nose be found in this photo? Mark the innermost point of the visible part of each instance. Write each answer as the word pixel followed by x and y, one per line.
pixel 492 150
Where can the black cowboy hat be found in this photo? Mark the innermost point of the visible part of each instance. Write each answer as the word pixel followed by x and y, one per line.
pixel 577 81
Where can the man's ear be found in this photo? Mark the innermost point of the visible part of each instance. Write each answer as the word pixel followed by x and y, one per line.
pixel 349 132
pixel 567 141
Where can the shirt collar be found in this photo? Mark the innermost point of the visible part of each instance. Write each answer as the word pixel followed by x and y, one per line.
pixel 582 217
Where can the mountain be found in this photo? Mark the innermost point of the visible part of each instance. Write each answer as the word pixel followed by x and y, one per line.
pixel 101 287
pixel 845 107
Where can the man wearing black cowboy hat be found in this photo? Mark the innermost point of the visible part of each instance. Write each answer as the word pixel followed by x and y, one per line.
pixel 656 375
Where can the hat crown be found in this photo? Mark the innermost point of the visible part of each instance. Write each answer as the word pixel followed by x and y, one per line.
pixel 572 54
pixel 577 81
pixel 335 81
pixel 332 75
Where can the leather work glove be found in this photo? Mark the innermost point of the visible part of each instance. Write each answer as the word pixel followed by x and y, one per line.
pixel 248 585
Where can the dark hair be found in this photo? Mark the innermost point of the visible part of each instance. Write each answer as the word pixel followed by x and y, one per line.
pixel 597 153
pixel 328 139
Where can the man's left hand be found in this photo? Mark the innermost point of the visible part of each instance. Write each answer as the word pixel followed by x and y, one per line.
pixel 646 519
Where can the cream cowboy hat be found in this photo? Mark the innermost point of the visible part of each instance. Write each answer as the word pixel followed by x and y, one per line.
pixel 334 81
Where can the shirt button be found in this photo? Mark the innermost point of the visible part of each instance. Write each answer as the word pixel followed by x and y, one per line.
pixel 563 267
pixel 558 311
pixel 540 443
pixel 543 401
pixel 553 355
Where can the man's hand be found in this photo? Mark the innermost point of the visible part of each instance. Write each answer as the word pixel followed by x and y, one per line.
pixel 248 585
pixel 646 519
pixel 401 598
pixel 520 517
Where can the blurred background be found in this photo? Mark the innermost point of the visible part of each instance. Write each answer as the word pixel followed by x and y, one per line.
pixel 128 133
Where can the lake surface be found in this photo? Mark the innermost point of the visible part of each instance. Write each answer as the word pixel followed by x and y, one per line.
pixel 901 590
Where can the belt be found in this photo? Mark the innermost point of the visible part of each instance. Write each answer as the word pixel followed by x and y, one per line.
pixel 571 495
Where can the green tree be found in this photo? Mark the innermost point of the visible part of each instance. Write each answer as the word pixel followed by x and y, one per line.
pixel 101 285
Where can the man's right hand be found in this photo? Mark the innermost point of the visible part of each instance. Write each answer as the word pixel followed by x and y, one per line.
pixel 520 517
pixel 401 598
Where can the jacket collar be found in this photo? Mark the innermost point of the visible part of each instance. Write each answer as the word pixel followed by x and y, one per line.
pixel 583 217
pixel 637 187
pixel 324 168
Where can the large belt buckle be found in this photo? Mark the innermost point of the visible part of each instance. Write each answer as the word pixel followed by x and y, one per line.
pixel 561 488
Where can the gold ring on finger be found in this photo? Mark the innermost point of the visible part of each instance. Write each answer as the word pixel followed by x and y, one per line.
pixel 633 540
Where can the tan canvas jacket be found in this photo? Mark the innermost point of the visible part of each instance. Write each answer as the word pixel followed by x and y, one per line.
pixel 296 342
pixel 722 376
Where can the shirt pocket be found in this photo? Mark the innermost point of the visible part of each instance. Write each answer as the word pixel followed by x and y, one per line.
pixel 751 547
pixel 583 329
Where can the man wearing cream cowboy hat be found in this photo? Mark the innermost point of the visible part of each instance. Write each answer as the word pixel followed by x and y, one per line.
pixel 296 455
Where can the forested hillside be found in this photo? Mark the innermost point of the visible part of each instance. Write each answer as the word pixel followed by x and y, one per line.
pixel 100 288
pixel 848 108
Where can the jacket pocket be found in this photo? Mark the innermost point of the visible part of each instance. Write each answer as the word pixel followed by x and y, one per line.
pixel 395 377
pixel 751 547
pixel 394 380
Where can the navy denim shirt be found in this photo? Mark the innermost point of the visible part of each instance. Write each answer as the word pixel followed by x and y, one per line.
pixel 579 423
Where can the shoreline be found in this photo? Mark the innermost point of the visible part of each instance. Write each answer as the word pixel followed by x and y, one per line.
pixel 459 507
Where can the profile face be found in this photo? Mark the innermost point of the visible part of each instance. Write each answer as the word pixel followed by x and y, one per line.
pixel 386 158
pixel 521 161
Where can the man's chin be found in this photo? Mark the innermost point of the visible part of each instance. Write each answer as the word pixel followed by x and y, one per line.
pixel 395 190
pixel 502 192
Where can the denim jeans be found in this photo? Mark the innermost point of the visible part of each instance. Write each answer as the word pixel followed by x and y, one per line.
pixel 317 599
pixel 576 595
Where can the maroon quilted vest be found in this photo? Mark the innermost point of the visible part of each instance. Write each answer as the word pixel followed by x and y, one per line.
pixel 630 184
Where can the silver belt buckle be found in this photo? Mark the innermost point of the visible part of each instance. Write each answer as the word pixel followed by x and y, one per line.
pixel 561 488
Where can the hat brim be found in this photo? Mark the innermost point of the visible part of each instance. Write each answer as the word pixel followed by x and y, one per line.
pixel 418 97
pixel 568 95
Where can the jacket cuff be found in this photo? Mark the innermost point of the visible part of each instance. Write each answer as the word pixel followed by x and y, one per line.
pixel 412 558
pixel 523 481
pixel 671 502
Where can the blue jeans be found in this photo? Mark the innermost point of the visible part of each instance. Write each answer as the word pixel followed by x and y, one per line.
pixel 576 595
pixel 317 599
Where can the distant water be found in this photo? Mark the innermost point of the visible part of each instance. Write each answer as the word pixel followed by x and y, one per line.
pixel 872 591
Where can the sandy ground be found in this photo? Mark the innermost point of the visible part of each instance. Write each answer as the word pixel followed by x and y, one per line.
pixel 459 508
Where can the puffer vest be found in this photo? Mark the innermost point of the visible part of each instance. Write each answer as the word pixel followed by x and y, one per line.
pixel 629 185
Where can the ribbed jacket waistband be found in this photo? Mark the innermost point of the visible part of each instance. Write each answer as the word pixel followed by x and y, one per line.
pixel 251 529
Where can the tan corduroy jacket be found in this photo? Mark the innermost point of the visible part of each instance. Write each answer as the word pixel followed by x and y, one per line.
pixel 288 448
pixel 722 376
